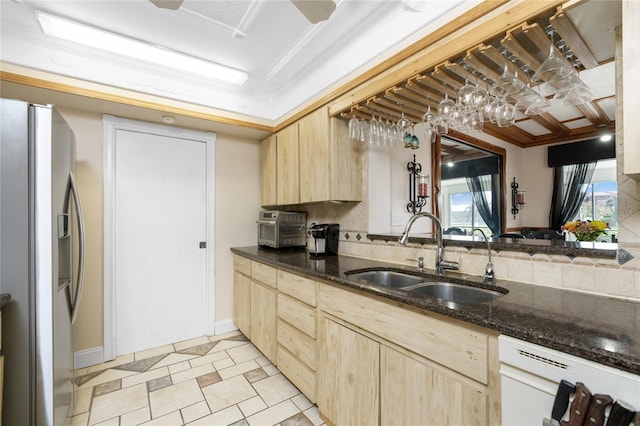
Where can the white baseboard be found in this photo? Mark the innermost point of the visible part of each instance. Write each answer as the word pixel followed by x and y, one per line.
pixel 225 327
pixel 88 357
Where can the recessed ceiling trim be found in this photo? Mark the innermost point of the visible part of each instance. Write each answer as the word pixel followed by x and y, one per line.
pixel 230 29
pixel 288 57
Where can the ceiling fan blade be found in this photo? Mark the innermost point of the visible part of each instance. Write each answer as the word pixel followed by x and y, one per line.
pixel 315 10
pixel 168 4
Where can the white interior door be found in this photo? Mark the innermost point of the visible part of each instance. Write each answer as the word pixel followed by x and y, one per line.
pixel 160 220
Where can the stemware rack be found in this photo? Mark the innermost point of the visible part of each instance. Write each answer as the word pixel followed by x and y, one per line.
pixel 523 47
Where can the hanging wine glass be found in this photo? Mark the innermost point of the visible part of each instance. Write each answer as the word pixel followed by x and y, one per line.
pixel 354 127
pixel 505 113
pixel 531 103
pixel 445 109
pixel 477 121
pixel 508 84
pixel 553 69
pixel 429 124
pixel 404 128
pixel 481 96
pixel 373 131
pixel 466 93
pixel 364 132
pixel 394 134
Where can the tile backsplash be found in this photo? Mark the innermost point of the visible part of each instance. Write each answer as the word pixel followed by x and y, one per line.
pixel 592 275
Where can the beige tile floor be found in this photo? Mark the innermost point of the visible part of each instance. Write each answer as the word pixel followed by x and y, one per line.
pixel 222 380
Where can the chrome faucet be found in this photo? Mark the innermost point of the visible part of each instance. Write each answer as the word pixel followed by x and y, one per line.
pixel 441 263
pixel 489 276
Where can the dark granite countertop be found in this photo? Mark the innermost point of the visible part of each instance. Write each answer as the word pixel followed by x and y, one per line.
pixel 531 246
pixel 601 329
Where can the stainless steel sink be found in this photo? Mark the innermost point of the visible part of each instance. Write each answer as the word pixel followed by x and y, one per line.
pixel 457 293
pixel 387 278
pixel 425 286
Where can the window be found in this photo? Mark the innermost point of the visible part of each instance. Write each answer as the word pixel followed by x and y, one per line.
pixel 601 197
pixel 459 210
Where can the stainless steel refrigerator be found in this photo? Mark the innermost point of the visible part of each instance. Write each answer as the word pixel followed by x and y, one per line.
pixel 41 262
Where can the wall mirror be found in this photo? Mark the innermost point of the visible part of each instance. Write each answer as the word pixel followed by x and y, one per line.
pixel 514 56
pixel 469 183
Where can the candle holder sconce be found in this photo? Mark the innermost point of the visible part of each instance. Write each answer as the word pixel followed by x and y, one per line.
pixel 517 198
pixel 418 187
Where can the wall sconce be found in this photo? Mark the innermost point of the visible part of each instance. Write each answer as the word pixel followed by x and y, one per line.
pixel 517 198
pixel 418 187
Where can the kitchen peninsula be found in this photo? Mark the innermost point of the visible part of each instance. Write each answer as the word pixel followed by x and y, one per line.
pixel 333 334
pixel 551 317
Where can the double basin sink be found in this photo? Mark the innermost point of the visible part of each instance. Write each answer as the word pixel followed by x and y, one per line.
pixel 425 286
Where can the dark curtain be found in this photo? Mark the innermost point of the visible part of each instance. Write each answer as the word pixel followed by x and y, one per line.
pixel 569 187
pixel 478 185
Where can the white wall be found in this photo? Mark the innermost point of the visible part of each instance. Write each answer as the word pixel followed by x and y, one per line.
pixel 237 206
pixel 538 182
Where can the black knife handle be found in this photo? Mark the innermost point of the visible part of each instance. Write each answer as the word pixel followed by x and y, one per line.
pixel 621 414
pixel 561 401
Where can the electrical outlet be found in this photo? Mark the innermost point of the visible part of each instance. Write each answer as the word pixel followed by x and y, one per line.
pixel 396 219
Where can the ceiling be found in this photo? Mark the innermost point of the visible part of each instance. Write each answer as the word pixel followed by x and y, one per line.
pixel 288 59
pixel 585 34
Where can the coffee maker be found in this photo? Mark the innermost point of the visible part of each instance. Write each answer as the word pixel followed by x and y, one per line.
pixel 325 238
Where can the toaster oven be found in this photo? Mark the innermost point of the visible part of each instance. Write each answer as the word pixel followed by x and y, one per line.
pixel 279 229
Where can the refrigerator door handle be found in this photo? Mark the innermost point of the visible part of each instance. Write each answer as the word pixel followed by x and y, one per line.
pixel 75 305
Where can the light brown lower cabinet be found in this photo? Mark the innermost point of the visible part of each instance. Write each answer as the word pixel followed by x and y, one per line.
pixel 242 294
pixel 297 331
pixel 349 374
pixel 383 363
pixel 366 360
pixel 263 320
pixel 414 391
pixel 242 302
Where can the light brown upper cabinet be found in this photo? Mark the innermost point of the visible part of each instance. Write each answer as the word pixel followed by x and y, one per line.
pixel 279 168
pixel 312 160
pixel 288 167
pixel 268 169
pixel 330 163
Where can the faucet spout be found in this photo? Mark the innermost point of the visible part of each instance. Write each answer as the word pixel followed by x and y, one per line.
pixel 441 264
pixel 489 275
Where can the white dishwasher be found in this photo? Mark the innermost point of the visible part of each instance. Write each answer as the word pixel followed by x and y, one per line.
pixel 530 375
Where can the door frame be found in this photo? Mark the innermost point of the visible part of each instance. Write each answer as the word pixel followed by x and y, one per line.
pixel 111 125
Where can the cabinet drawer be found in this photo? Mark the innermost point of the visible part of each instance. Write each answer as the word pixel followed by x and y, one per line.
pixel 297 287
pixel 242 265
pixel 297 313
pixel 263 273
pixel 297 372
pixel 459 347
pixel 299 344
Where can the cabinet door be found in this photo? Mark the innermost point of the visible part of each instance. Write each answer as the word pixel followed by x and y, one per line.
pixel 242 303
pixel 268 169
pixel 346 163
pixel 315 157
pixel 421 393
pixel 263 320
pixel 288 169
pixel 348 376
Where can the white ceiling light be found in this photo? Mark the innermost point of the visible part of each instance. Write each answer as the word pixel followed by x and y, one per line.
pixel 606 137
pixel 93 37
